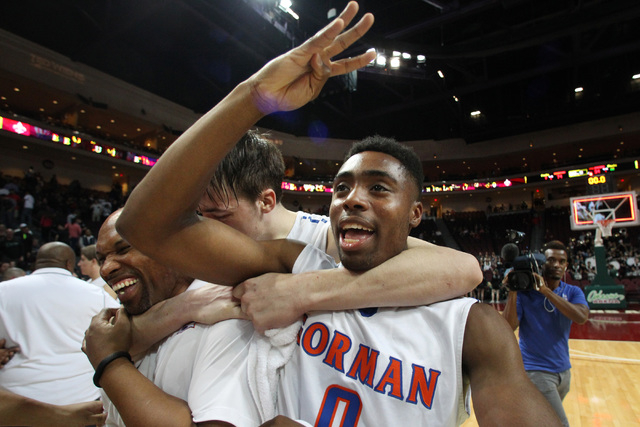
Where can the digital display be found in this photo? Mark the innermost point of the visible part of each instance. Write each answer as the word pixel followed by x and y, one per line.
pixel 73 141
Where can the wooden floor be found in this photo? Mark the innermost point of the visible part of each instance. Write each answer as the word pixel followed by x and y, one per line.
pixel 605 384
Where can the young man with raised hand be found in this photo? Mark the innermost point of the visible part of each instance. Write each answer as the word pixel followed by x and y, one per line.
pixel 172 229
pixel 173 234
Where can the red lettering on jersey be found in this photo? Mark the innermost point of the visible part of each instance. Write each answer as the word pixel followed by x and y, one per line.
pixel 392 377
pixel 364 365
pixel 420 384
pixel 339 346
pixel 307 339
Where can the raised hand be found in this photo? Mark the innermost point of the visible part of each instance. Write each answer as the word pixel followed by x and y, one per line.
pixel 291 80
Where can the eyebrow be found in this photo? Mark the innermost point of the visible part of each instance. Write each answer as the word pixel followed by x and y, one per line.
pixel 117 245
pixel 368 173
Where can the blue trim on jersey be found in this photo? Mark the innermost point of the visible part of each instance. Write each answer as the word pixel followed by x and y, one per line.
pixel 368 312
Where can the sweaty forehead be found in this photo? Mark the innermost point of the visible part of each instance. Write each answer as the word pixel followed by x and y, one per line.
pixel 555 253
pixel 107 236
pixel 373 163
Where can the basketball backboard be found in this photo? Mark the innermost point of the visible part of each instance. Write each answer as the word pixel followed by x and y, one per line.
pixel 620 207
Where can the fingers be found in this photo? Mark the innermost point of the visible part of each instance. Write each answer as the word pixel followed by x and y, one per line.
pixel 349 12
pixel 347 38
pixel 347 65
pixel 238 291
pixel 99 419
pixel 330 42
pixel 106 314
pixel 319 71
pixel 95 407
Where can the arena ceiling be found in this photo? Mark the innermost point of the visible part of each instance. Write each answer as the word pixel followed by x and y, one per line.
pixel 517 62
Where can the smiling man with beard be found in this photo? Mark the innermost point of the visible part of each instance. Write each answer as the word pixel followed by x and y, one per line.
pixel 179 380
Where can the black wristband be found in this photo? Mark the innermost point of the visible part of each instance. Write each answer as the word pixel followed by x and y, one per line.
pixel 103 364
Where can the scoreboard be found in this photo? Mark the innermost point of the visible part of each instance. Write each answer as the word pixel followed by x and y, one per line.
pixel 600 184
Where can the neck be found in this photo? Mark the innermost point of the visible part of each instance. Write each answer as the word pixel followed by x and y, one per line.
pixel 278 223
pixel 552 284
pixel 94 274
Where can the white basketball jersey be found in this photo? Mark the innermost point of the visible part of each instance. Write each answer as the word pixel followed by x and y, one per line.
pixel 311 229
pixel 379 367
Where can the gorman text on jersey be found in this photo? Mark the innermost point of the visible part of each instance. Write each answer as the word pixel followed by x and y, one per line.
pixel 381 375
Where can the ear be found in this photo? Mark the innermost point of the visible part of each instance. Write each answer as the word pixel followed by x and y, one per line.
pixel 416 214
pixel 267 200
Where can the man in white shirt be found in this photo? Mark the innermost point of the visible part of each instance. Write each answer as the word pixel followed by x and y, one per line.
pixel 46 314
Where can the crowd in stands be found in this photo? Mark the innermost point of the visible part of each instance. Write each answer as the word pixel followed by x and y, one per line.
pixel 34 211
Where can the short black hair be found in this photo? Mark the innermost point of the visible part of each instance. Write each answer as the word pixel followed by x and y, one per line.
pixel 253 165
pixel 557 245
pixel 404 154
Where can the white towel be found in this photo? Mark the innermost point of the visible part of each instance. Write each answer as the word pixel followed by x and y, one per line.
pixel 267 354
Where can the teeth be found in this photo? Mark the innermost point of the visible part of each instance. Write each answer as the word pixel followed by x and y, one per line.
pixel 125 283
pixel 355 227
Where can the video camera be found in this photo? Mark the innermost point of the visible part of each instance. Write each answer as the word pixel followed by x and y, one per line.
pixel 521 277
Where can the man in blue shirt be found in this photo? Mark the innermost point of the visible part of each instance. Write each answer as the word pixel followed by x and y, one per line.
pixel 545 316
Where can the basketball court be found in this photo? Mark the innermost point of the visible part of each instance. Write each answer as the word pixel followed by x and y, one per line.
pixel 604 352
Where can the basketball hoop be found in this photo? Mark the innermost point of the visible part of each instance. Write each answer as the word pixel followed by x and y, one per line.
pixel 605 226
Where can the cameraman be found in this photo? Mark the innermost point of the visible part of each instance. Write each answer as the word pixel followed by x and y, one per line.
pixel 544 316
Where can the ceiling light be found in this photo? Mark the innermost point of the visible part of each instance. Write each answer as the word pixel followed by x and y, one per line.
pixel 578 89
pixel 455 98
pixel 421 59
pixel 381 60
pixel 55 102
pixel 285 5
pixel 16 89
pixel 394 62
pixel 406 55
pixel 441 74
pixel 396 53
pixel 475 113
pixel 636 76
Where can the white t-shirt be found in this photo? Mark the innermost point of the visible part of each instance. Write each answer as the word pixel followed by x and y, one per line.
pixel 100 283
pixel 46 313
pixel 205 366
pixel 379 367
